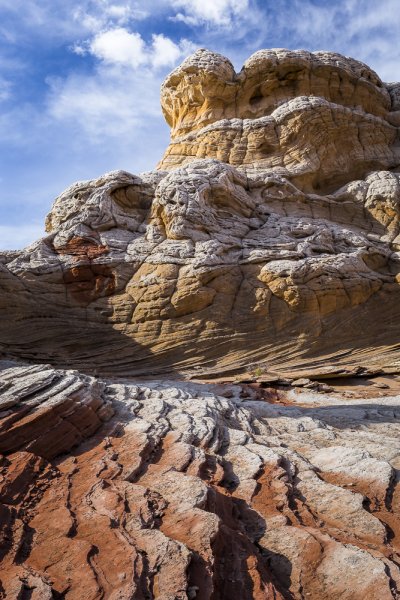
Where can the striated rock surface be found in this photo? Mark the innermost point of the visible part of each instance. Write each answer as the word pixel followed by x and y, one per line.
pixel 320 119
pixel 269 234
pixel 265 246
pixel 184 493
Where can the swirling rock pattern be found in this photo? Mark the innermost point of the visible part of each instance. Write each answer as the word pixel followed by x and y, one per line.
pixel 269 234
pixel 183 493
pixel 266 242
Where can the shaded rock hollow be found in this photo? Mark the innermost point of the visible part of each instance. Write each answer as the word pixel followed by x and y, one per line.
pixel 267 239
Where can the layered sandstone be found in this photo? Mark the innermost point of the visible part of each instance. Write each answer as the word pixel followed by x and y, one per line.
pixel 272 221
pixel 319 119
pixel 190 491
pixel 267 243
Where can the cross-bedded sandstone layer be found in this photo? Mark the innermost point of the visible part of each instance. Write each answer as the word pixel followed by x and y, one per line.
pixel 269 234
pixel 268 240
pixel 184 491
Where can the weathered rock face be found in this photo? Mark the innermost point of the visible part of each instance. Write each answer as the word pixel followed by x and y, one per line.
pixel 184 493
pixel 269 234
pixel 268 239
pixel 319 118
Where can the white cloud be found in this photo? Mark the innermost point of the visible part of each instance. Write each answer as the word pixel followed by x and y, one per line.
pixel 5 89
pixel 122 13
pixel 118 46
pixel 107 104
pixel 165 52
pixel 369 15
pixel 216 12
pixel 102 14
pixel 364 29
pixel 121 97
pixel 67 21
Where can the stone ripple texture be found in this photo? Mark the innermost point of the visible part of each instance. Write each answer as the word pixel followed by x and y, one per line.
pixel 267 239
pixel 135 489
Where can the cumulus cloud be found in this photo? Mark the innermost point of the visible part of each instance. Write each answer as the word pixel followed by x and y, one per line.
pixel 120 98
pixel 215 12
pixel 119 46
pixel 166 53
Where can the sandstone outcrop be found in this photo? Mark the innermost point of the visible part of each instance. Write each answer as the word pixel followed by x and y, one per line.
pixel 266 243
pixel 318 118
pixel 269 234
pixel 184 493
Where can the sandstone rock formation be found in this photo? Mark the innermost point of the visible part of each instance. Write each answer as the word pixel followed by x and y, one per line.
pixel 268 240
pixel 269 234
pixel 184 493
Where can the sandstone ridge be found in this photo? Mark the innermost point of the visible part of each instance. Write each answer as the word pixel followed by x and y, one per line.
pixel 269 234
pixel 318 118
pixel 184 491
pixel 265 247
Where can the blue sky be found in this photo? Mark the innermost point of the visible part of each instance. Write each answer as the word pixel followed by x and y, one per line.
pixel 79 81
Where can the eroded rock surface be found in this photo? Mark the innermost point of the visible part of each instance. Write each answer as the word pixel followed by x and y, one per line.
pixel 184 493
pixel 267 243
pixel 318 118
pixel 269 234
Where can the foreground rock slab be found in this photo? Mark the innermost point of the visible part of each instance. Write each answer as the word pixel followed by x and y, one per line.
pixel 173 491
